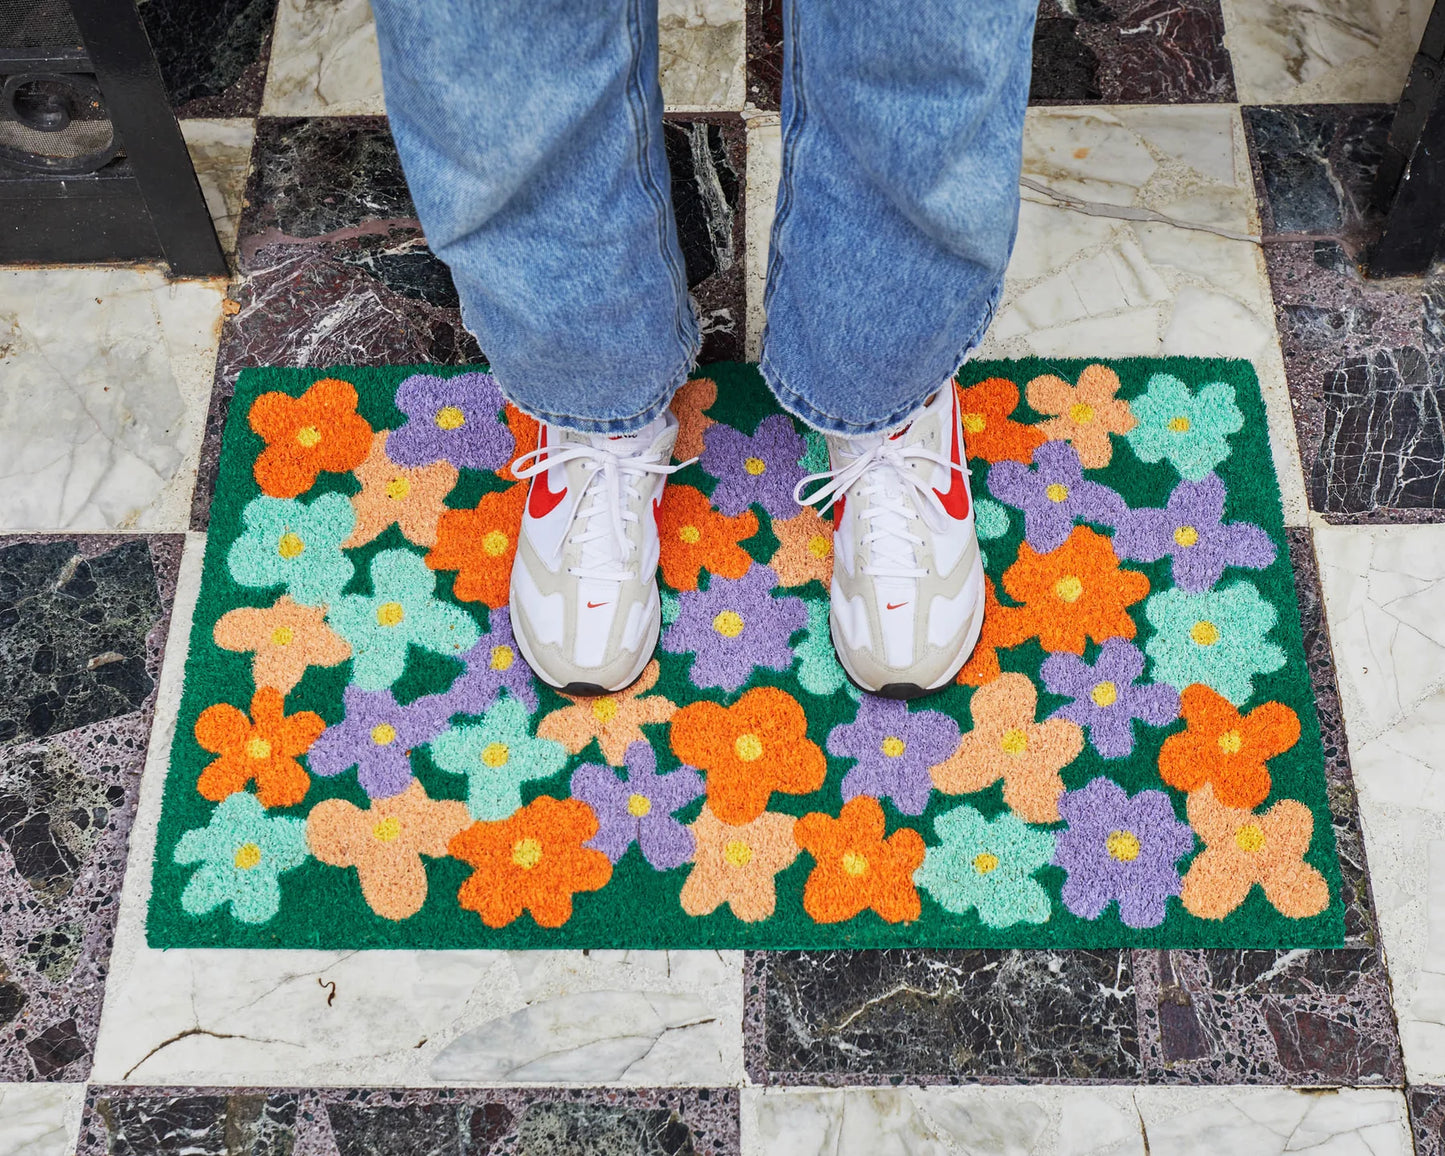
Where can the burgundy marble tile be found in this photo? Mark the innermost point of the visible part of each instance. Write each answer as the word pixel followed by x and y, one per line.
pixel 1427 1119
pixel 68 793
pixel 765 53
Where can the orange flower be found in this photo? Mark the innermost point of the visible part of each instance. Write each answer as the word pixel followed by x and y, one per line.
pixel 480 545
pixel 1242 849
pixel 1226 749
pixel 614 720
pixel 1074 593
pixel 385 844
pixel 1006 743
pixel 689 404
pixel 263 747
pixel 320 430
pixel 524 429
pixel 410 497
pixel 805 548
pixel 1000 630
pixel 532 861
pixel 749 750
pixel 286 638
pixel 857 868
pixel 1087 413
pixel 692 535
pixel 736 865
pixel 988 430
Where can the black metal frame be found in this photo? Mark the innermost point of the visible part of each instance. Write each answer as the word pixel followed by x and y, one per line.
pixel 142 205
pixel 1410 184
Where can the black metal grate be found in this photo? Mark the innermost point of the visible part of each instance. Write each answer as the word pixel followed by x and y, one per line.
pixel 35 31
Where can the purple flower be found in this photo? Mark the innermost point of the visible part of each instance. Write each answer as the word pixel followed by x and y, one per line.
pixel 733 626
pixel 377 736
pixel 1115 847
pixel 494 664
pixel 1190 529
pixel 1053 495
pixel 893 751
pixel 451 419
pixel 1106 699
pixel 639 808
pixel 762 468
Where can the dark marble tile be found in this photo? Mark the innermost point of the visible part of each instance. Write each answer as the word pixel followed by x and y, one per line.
pixel 411 1122
pixel 916 1016
pixel 1427 1119
pixel 765 53
pixel 212 53
pixel 67 801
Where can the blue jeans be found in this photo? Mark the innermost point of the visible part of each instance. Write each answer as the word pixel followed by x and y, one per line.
pixel 531 136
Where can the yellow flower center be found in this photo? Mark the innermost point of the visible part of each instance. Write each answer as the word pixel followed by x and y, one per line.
pixel 1122 845
pixel 502 658
pixel 383 734
pixel 983 862
pixel 604 709
pixel 1186 536
pixel 282 636
pixel 1081 413
pixel 1230 742
pixel 1014 741
pixel 1249 838
pixel 737 853
pixel 495 754
pixel 495 543
pixel 1069 588
pixel 397 488
pixel 749 748
pixel 1204 633
pixel 308 435
pixel 526 853
pixel 729 623
pixel 390 613
pixel 638 805
pixel 1056 491
pixel 818 546
pixel 854 864
pixel 973 422
pixel 1179 424
pixel 387 830
pixel 247 856
pixel 1104 694
pixel 258 748
pixel 289 545
pixel 755 466
pixel 690 534
pixel 450 417
pixel 893 746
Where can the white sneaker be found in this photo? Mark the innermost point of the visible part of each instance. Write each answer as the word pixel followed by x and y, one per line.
pixel 907 592
pixel 584 601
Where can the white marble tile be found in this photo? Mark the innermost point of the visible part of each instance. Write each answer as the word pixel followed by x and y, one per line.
pixel 221 153
pixel 765 161
pixel 1330 51
pixel 396 1017
pixel 1056 1121
pixel 701 47
pixel 106 377
pixel 324 60
pixel 40 1119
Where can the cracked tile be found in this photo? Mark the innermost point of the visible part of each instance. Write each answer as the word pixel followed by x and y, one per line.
pixel 40 1119
pixel 702 55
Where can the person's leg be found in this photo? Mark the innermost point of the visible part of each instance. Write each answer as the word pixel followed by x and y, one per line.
pixel 530 132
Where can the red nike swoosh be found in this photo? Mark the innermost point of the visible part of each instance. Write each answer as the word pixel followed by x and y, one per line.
pixel 955 502
pixel 542 499
pixel 595 605
pixel 896 605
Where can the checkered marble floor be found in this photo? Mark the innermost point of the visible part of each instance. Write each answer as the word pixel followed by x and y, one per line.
pixel 1196 175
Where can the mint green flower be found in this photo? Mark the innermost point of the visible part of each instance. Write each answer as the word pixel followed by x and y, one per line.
pixel 990 520
pixel 286 543
pixel 819 672
pixel 671 608
pixel 1217 638
pixel 497 756
pixel 815 456
pixel 1191 430
pixel 988 866
pixel 242 851
pixel 402 610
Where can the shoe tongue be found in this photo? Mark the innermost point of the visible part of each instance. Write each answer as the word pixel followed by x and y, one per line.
pixel 636 442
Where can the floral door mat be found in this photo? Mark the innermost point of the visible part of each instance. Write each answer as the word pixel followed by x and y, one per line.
pixel 1131 756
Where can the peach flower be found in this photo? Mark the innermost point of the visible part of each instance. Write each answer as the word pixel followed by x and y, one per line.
pixel 614 720
pixel 736 864
pixel 286 638
pixel 1085 414
pixel 410 496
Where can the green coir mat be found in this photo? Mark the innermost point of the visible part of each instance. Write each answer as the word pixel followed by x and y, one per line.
pixel 1130 758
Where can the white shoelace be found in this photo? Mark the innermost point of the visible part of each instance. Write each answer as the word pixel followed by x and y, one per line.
pixel 895 497
pixel 604 521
